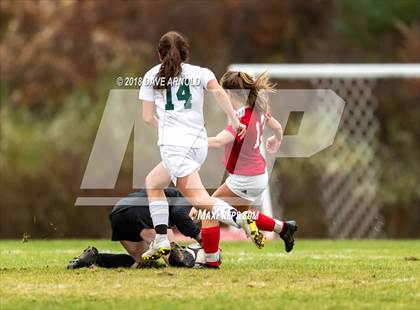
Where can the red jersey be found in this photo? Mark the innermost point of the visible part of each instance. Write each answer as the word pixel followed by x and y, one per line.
pixel 243 156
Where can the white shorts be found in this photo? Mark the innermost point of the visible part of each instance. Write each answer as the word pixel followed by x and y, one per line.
pixel 180 161
pixel 247 187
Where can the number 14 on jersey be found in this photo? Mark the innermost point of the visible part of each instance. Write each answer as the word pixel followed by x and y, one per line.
pixel 183 94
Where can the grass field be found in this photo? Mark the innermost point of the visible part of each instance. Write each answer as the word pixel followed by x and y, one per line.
pixel 316 275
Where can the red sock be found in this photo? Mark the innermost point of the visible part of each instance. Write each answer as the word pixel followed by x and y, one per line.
pixel 265 222
pixel 210 237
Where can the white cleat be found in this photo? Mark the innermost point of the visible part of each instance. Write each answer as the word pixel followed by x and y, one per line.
pixel 157 249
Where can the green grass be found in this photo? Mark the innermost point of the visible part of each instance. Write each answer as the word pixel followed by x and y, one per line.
pixel 316 275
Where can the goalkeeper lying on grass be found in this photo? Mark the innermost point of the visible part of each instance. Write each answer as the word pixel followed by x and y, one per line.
pixel 132 225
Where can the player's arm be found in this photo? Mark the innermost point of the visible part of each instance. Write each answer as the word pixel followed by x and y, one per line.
pixel 147 96
pixel 149 113
pixel 224 103
pixel 224 137
pixel 273 143
pixel 179 209
pixel 179 216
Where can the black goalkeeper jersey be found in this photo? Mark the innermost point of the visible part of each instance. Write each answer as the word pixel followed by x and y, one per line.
pixel 139 199
pixel 131 215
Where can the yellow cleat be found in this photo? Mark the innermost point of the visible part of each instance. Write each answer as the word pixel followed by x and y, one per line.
pixel 252 231
pixel 157 250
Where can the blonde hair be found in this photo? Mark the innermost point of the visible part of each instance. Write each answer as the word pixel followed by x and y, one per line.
pixel 242 80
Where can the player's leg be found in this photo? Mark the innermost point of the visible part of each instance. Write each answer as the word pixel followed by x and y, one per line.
pixel 264 222
pixel 135 249
pixel 123 230
pixel 224 193
pixel 284 229
pixel 111 260
pixel 86 259
pixel 91 256
pixel 210 230
pixel 156 181
pixel 148 235
pixel 133 258
pixel 210 235
pixel 179 216
pixel 192 188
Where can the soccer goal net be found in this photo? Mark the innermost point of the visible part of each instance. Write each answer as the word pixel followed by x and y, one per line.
pixel 348 170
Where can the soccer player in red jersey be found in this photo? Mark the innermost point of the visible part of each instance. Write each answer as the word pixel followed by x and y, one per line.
pixel 243 160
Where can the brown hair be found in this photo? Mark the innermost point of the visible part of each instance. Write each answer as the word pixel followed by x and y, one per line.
pixel 173 49
pixel 242 80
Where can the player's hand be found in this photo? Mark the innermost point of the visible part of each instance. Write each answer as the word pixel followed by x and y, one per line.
pixel 272 145
pixel 240 129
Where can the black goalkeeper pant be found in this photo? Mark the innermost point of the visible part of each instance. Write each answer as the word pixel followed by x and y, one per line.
pixel 107 260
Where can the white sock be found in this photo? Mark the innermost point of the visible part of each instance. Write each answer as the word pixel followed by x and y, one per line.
pixel 159 212
pixel 161 237
pixel 226 214
pixel 212 257
pixel 278 226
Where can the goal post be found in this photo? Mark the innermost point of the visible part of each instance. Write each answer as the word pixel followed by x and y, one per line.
pixel 331 71
pixel 349 172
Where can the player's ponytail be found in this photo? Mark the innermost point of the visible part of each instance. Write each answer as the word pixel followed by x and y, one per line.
pixel 258 88
pixel 259 93
pixel 173 49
